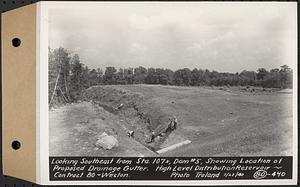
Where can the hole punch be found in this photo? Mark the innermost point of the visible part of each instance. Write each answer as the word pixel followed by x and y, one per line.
pixel 16 42
pixel 16 145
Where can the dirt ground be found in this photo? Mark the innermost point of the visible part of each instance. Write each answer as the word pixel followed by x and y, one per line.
pixel 218 122
pixel 74 130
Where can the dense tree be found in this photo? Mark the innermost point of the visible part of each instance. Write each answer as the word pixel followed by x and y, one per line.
pixel 248 78
pixel 195 80
pixel 93 77
pixel 128 75
pixel 170 76
pixel 68 77
pixel 279 78
pixel 261 73
pixel 77 79
pixel 183 77
pixel 99 76
pixel 110 76
pixel 150 78
pixel 120 77
pixel 140 75
pixel 286 76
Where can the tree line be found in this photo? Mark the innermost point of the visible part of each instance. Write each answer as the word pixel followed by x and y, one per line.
pixel 68 76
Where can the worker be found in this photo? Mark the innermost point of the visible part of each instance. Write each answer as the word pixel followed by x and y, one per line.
pixel 175 121
pixel 171 125
pixel 152 136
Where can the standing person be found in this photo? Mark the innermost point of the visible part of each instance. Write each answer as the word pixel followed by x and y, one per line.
pixel 175 121
pixel 171 124
pixel 152 136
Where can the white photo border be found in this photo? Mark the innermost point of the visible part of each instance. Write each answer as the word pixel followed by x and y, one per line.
pixel 42 125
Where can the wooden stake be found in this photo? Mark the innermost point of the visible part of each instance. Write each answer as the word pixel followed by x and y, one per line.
pixel 63 95
pixel 53 93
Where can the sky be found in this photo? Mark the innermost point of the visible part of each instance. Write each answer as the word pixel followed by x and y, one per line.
pixel 226 37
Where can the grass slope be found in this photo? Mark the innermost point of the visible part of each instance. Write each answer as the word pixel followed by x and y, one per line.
pixel 218 122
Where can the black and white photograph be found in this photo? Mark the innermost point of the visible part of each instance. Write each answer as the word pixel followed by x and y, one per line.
pixel 172 79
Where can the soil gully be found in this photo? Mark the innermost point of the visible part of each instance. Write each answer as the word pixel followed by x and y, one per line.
pixel 143 121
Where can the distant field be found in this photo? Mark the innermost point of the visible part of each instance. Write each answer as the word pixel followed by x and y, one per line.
pixel 217 121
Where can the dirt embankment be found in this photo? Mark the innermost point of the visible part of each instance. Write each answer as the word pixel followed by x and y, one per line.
pixel 75 129
pixel 135 110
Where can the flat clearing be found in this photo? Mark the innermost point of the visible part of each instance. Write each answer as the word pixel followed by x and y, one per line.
pixel 218 122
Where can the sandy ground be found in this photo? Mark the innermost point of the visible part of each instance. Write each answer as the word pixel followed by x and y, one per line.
pixel 217 122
